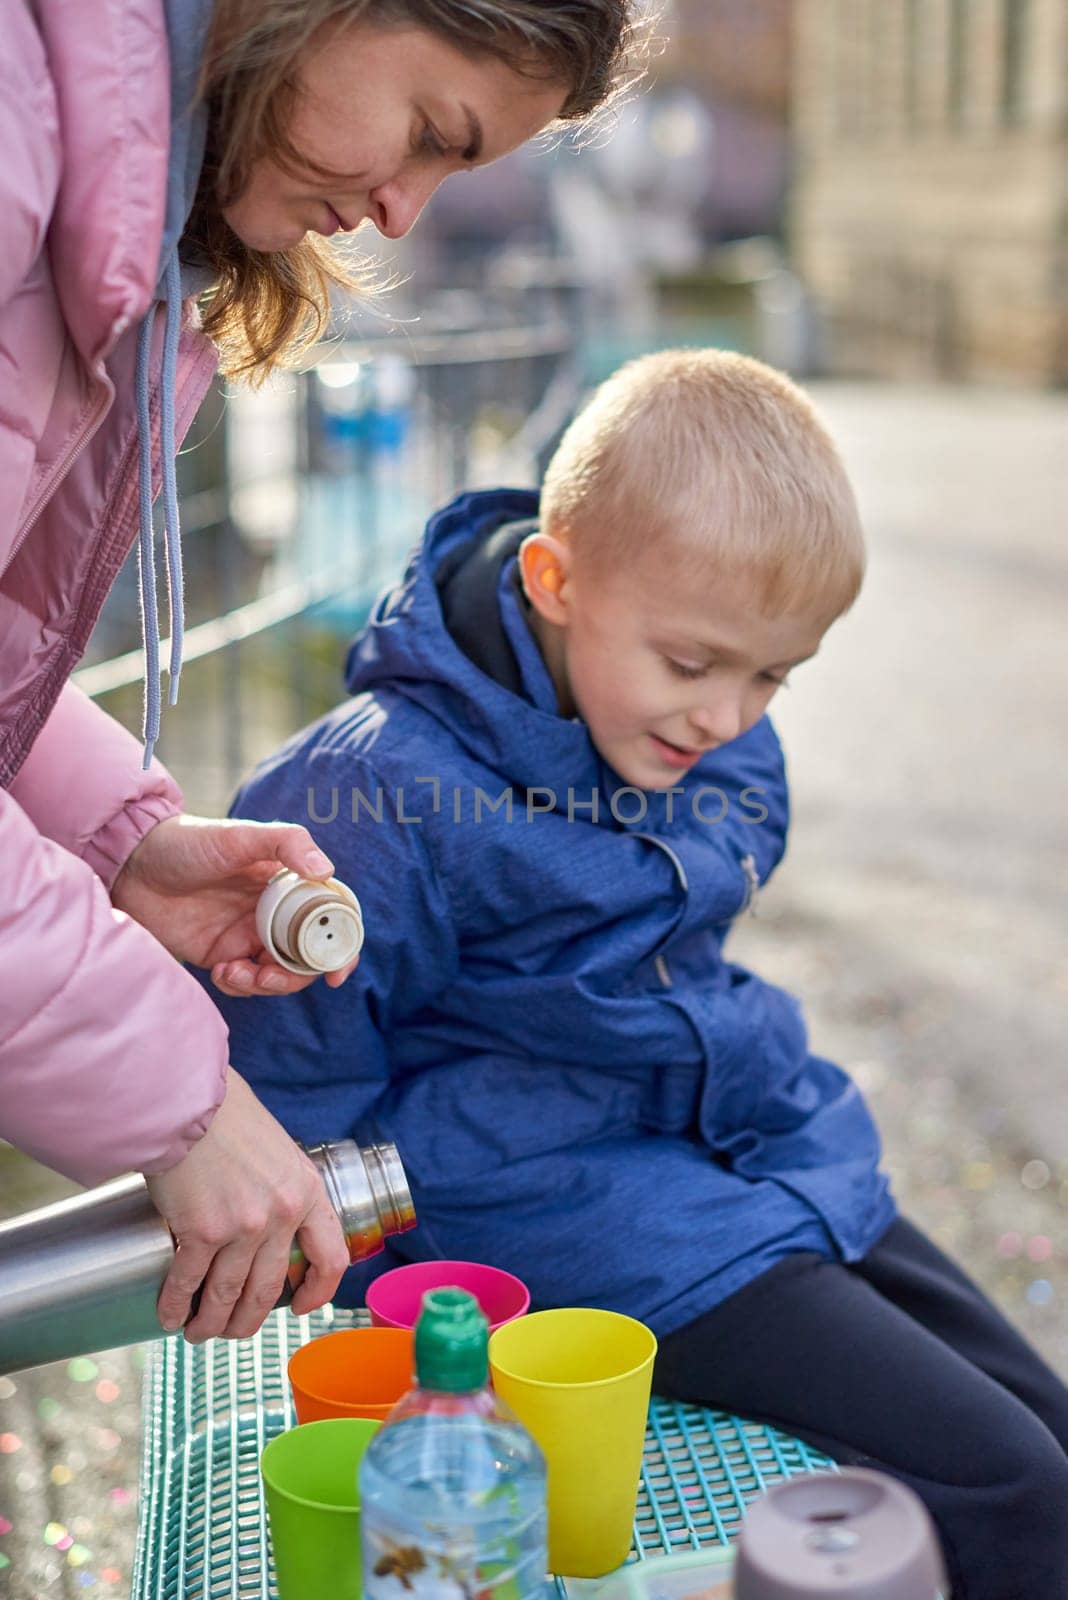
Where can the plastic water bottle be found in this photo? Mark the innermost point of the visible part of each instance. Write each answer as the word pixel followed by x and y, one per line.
pixel 452 1489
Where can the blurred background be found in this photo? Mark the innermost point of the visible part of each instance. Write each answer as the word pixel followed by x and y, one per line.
pixel 872 194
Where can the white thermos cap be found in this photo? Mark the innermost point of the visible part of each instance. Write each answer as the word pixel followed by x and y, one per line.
pixel 309 925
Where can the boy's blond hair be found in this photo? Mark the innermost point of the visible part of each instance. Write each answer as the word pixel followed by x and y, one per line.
pixel 721 457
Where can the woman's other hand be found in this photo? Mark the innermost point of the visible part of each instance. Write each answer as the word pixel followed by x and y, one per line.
pixel 235 1204
pixel 193 882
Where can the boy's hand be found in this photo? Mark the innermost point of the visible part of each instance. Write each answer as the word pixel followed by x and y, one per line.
pixel 193 882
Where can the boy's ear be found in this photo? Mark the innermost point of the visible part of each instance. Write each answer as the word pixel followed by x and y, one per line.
pixel 545 568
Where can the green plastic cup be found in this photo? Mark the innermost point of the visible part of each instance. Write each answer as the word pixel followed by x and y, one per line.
pixel 310 1480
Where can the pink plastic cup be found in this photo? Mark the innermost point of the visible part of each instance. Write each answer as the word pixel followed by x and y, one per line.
pixel 396 1298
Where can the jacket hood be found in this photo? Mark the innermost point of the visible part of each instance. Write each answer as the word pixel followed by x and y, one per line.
pixel 521 736
pixel 187 31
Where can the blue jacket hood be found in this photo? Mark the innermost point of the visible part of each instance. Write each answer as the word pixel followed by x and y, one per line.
pixel 407 645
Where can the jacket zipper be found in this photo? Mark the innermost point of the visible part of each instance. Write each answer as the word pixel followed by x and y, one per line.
pixel 107 394
pixel 672 855
pixel 58 475
pixel 752 884
pixel 752 887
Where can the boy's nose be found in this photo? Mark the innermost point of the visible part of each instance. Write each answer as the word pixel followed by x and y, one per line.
pixel 396 204
pixel 718 722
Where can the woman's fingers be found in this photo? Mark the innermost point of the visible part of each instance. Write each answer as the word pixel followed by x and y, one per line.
pixel 244 1188
pixel 297 849
pixel 255 978
pixel 217 848
pixel 243 1283
pixel 262 1287
pixel 324 1249
pixel 287 843
pixel 175 1304
pixel 222 1289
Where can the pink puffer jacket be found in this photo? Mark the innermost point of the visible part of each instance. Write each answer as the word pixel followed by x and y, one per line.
pixel 111 1057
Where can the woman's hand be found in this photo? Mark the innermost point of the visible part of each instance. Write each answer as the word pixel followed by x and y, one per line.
pixel 235 1204
pixel 194 882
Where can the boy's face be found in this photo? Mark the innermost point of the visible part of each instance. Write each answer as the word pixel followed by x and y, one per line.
pixel 664 666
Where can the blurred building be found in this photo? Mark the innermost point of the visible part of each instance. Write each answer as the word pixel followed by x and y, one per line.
pixel 733 58
pixel 734 51
pixel 930 209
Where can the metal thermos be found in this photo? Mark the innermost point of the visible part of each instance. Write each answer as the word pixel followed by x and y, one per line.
pixel 85 1274
pixel 849 1535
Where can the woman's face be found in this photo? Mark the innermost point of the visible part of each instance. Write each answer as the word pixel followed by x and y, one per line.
pixel 395 110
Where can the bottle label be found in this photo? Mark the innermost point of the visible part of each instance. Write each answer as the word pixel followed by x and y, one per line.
pixel 405 1560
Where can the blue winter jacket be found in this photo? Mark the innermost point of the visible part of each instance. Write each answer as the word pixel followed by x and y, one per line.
pixel 583 1089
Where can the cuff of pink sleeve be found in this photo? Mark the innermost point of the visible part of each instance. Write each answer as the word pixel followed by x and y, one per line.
pixel 190 1135
pixel 112 845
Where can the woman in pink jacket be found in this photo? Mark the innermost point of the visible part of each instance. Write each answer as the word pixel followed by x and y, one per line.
pixel 155 150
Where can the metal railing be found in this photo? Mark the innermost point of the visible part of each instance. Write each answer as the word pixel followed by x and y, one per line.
pixel 300 502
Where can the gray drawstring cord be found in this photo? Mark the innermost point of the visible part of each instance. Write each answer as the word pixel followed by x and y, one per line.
pixel 146 552
pixel 175 576
pixel 146 555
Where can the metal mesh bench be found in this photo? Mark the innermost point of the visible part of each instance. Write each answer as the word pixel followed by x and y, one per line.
pixel 210 1409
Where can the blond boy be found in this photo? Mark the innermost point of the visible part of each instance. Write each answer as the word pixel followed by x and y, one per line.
pixel 554 788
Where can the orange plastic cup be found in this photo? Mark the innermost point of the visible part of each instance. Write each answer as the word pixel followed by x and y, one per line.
pixel 356 1372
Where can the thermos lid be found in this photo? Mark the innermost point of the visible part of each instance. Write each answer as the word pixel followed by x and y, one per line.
pixel 368 1189
pixel 325 933
pixel 308 925
pixel 849 1535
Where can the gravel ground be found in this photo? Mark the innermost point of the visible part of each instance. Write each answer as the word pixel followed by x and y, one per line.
pixel 70 1438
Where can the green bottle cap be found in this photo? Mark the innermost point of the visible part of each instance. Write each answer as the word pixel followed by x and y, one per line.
pixel 451 1342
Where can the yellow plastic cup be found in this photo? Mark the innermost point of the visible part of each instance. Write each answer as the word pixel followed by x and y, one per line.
pixel 579 1381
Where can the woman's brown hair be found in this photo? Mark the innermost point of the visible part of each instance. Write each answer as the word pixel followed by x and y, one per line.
pixel 265 309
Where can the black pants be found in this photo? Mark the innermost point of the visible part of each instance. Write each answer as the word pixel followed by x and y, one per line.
pixel 899 1362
